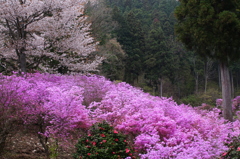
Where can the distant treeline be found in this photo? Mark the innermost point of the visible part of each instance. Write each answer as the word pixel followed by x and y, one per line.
pixel 149 56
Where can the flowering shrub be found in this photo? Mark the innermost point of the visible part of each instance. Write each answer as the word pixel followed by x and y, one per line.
pixel 94 87
pixel 11 110
pixel 219 102
pixel 236 103
pixel 50 106
pixel 235 106
pixel 161 127
pixel 103 142
pixel 58 106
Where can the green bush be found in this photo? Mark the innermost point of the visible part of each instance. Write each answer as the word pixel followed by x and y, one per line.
pixel 193 100
pixel 234 149
pixel 197 99
pixel 103 142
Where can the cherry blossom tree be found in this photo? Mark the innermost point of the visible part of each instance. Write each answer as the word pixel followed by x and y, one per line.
pixel 43 33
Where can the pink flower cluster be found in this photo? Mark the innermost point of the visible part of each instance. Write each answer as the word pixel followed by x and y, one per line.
pixel 219 102
pixel 52 102
pixel 235 103
pixel 159 126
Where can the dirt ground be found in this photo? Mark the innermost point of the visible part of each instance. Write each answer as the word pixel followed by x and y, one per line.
pixel 27 146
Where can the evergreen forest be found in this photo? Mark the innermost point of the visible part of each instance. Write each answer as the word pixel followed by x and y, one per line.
pixel 142 49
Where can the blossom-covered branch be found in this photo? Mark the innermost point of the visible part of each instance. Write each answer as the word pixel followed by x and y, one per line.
pixel 36 33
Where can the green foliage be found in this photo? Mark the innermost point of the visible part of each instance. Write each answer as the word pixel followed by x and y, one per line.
pixel 234 149
pixel 159 59
pixel 103 26
pixel 53 149
pixel 103 142
pixel 131 37
pixel 193 100
pixel 144 30
pixel 102 23
pixel 113 66
pixel 197 99
pixel 211 28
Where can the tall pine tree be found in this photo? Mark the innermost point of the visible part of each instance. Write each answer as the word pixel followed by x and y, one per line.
pixel 212 28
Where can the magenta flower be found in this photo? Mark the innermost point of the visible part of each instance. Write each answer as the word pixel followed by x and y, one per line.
pixel 127 150
pixel 238 149
pixel 224 154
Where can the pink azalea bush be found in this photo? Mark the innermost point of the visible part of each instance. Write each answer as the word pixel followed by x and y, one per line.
pixel 53 100
pixel 235 106
pixel 50 105
pixel 11 110
pixel 159 127
pixel 236 103
pixel 219 102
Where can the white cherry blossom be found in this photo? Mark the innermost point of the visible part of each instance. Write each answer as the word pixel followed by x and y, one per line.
pixel 33 30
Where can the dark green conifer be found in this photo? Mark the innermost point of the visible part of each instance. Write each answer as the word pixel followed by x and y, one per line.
pixel 212 28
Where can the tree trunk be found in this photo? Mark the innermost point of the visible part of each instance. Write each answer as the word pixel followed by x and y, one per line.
pixel 7 126
pixel 178 90
pixel 22 62
pixel 219 78
pixel 196 82
pixel 232 84
pixel 206 72
pixel 226 92
pixel 206 83
pixel 160 87
pixel 237 82
pixel 43 139
pixel 3 137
